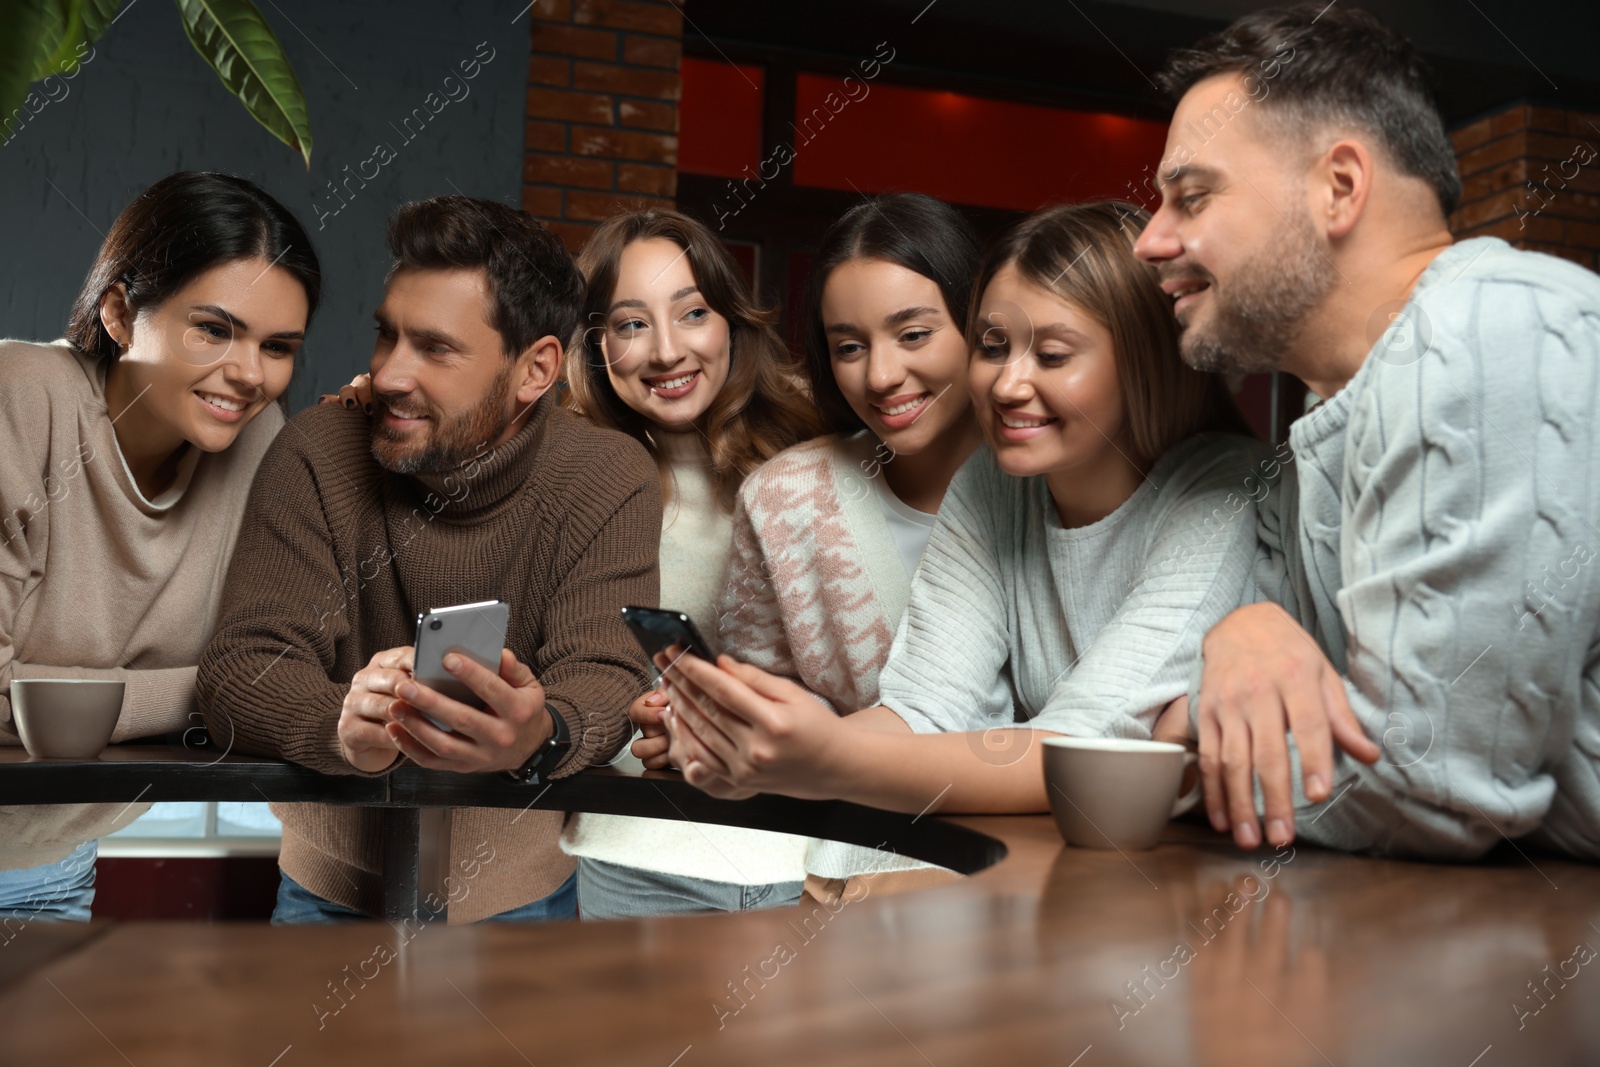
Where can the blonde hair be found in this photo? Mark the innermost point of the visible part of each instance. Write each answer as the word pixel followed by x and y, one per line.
pixel 1083 253
pixel 762 407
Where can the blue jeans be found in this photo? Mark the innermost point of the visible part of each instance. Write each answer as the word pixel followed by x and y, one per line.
pixel 62 890
pixel 613 891
pixel 297 904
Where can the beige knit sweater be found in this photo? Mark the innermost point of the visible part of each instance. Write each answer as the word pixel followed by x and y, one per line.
pixel 338 556
pixel 95 580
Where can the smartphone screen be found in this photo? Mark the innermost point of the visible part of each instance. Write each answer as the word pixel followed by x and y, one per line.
pixel 475 630
pixel 657 629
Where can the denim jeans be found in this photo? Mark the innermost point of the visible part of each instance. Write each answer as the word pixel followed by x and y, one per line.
pixel 297 904
pixel 62 890
pixel 613 891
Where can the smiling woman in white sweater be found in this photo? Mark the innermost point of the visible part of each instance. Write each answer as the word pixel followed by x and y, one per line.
pixel 1074 566
pixel 127 450
pixel 675 352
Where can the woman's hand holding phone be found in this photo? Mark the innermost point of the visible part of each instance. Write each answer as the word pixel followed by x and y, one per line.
pixel 645 713
pixel 737 730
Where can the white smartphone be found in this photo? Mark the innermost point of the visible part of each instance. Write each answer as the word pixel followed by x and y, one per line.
pixel 475 630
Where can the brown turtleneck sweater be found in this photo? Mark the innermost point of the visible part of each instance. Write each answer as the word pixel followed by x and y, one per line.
pixel 336 558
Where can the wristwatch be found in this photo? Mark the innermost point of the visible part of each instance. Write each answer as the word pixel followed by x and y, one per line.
pixel 547 756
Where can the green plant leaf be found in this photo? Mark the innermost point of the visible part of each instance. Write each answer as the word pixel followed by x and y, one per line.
pixel 74 26
pixel 60 24
pixel 25 26
pixel 232 36
pixel 97 16
pixel 60 45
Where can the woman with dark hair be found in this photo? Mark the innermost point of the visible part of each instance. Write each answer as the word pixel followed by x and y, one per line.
pixel 828 534
pixel 129 447
pixel 675 352
pixel 1075 565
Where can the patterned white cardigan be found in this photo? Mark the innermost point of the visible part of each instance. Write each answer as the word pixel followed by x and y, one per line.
pixel 816 589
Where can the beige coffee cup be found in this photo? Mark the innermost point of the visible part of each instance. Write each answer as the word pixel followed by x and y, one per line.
pixel 65 718
pixel 1108 792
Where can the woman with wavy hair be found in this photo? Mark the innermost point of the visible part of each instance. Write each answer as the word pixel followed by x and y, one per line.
pixel 675 352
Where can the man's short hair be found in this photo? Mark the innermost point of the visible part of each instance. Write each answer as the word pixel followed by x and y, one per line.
pixel 535 289
pixel 1347 68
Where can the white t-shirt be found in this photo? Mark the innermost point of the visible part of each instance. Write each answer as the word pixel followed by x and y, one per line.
pixel 908 526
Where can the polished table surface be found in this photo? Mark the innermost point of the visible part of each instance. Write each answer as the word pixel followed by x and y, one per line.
pixel 1192 953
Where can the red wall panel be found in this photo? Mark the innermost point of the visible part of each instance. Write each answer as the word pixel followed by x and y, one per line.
pixel 964 149
pixel 719 118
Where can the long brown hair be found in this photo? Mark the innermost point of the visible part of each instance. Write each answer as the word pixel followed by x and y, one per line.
pixel 1083 253
pixel 761 409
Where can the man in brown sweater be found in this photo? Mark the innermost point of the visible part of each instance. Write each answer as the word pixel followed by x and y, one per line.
pixel 467 483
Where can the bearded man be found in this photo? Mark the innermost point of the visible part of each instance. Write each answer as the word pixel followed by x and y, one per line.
pixel 1430 633
pixel 466 483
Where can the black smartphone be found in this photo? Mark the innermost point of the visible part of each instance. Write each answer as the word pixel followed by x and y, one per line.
pixel 657 629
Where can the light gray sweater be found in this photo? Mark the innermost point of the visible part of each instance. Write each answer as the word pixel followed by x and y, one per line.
pixel 1433 531
pixel 1088 631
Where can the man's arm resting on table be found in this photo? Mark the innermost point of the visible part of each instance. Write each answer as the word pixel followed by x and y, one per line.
pixel 263 682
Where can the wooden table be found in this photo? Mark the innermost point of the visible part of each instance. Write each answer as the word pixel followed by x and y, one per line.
pixel 1050 956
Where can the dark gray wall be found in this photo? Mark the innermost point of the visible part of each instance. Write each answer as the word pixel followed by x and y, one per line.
pixel 146 105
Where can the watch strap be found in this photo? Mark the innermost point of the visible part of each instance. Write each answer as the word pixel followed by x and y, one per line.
pixel 548 755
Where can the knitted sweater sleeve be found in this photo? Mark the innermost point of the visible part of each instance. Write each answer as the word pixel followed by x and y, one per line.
pixel 765 579
pixel 32 477
pixel 264 680
pixel 589 664
pixel 25 491
pixel 1469 591
pixel 750 623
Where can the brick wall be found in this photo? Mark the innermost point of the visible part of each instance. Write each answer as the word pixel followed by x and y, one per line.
pixel 1532 176
pixel 603 92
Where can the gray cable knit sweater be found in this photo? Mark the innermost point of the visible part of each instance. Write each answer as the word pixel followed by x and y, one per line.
pixel 1436 532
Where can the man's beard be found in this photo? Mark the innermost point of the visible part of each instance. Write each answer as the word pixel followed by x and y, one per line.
pixel 448 445
pixel 1257 319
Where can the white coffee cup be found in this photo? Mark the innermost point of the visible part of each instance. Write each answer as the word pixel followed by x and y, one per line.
pixel 1108 792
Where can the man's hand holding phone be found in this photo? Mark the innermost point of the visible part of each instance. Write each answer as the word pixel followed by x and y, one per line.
pixel 501 737
pixel 364 719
